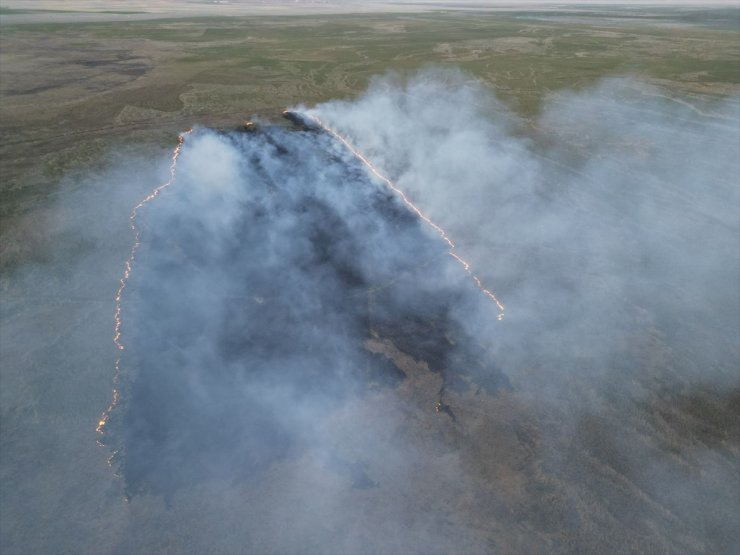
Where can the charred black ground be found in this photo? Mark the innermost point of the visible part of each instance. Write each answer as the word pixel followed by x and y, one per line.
pixel 227 323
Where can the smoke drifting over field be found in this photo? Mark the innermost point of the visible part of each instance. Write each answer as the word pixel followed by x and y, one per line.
pixel 625 200
pixel 307 370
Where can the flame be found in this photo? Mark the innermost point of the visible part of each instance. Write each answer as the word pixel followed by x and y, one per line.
pixel 127 269
pixel 441 232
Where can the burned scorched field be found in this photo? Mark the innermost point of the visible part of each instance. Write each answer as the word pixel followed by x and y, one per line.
pixel 264 270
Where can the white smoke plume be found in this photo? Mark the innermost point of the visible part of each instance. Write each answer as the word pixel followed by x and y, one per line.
pixel 616 201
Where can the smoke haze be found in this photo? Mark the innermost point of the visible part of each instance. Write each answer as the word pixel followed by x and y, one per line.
pixel 308 371
pixel 624 201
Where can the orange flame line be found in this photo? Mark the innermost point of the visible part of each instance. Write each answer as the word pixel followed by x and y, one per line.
pixel 441 232
pixel 127 269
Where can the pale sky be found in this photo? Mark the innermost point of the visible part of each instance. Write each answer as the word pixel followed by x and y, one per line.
pixel 156 5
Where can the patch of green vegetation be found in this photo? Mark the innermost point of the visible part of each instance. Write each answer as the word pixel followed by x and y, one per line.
pixel 214 70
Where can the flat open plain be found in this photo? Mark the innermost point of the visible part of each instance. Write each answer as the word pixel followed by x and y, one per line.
pixel 639 457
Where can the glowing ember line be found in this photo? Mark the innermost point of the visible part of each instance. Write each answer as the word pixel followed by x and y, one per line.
pixel 127 269
pixel 441 232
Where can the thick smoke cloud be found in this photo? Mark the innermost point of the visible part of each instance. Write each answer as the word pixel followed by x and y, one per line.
pixel 307 371
pixel 610 227
pixel 620 200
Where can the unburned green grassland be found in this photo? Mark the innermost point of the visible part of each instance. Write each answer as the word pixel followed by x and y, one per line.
pixel 71 91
